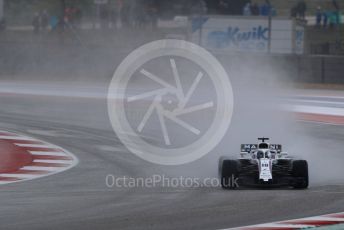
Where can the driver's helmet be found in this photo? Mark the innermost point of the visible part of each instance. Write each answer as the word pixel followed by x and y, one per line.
pixel 260 154
pixel 263 145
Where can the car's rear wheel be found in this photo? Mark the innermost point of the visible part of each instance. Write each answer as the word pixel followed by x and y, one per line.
pixel 229 173
pixel 300 174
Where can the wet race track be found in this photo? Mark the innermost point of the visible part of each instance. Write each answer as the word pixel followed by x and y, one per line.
pixel 80 198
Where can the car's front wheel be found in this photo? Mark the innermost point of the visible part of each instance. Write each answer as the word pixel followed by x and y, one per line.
pixel 229 173
pixel 300 174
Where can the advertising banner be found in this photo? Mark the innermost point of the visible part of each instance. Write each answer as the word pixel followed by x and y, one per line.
pixel 245 34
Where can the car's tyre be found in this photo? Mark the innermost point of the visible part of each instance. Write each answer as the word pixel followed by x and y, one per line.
pixel 228 173
pixel 300 174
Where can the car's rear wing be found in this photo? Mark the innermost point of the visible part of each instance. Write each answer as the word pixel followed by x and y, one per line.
pixel 276 147
pixel 252 147
pixel 248 147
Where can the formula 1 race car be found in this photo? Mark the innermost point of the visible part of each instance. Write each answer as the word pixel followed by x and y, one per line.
pixel 263 164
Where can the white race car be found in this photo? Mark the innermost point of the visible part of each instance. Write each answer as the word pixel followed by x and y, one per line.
pixel 263 164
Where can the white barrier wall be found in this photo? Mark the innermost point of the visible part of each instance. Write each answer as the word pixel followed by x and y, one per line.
pixel 247 34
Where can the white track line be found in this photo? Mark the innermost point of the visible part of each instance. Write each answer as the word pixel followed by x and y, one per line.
pixel 35 145
pixel 318 102
pixel 317 110
pixel 273 226
pixel 42 153
pixel 18 175
pixel 53 161
pixel 323 218
pixel 42 168
pixel 296 223
pixel 318 96
pixel 68 159
pixel 16 138
pixel 7 182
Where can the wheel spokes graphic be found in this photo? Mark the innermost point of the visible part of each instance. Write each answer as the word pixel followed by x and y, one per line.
pixel 181 109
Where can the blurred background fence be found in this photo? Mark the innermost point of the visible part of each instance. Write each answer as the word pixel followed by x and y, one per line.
pixel 86 39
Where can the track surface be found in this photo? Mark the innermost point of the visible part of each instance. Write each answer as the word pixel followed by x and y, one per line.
pixel 80 199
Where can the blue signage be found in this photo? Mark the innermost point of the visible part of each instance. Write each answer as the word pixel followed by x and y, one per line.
pixel 253 39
